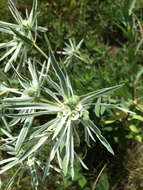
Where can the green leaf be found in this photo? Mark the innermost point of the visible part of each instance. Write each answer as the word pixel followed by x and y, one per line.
pixel 97 107
pixel 91 96
pixel 9 166
pixel 22 37
pixel 95 130
pixel 34 148
pixel 33 171
pixel 59 127
pixel 23 134
pixel 15 12
pixel 132 6
pixel 57 69
pixel 12 179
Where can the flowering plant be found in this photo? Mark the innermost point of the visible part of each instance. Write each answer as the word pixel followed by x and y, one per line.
pixel 36 97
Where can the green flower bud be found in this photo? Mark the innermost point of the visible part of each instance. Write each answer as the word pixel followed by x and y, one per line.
pixel 31 92
pixel 85 114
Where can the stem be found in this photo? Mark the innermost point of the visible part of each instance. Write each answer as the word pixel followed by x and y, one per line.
pixel 80 58
pixel 47 101
pixel 100 173
pixel 40 51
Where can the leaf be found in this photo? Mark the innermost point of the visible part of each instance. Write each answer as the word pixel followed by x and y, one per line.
pixel 3 88
pixel 34 148
pixel 132 6
pixel 33 13
pixel 59 127
pixel 5 78
pixel 31 105
pixel 97 107
pixel 8 166
pixel 7 160
pixel 44 128
pixel 91 96
pixel 138 46
pixel 95 130
pixel 81 162
pixel 55 149
pixel 23 134
pixel 13 58
pixel 57 69
pixel 12 179
pixel 22 37
pixel 33 171
pixel 8 53
pixel 15 12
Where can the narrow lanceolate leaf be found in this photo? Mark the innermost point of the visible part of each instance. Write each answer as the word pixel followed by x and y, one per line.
pixel 5 78
pixel 15 12
pixel 12 179
pixel 54 85
pixel 8 53
pixel 33 171
pixel 8 44
pixel 48 91
pixel 94 128
pixel 44 128
pixel 41 106
pixel 54 151
pixel 91 96
pixel 23 81
pixel 68 148
pixel 7 160
pixel 13 58
pixel 80 160
pixel 117 107
pixel 26 115
pixel 7 25
pixel 6 133
pixel 72 154
pixel 23 133
pixel 132 6
pixel 58 143
pixel 34 147
pixel 8 166
pixel 18 99
pixel 33 12
pixel 6 123
pixel 57 69
pixel 22 37
pixel 59 127
pixel 3 88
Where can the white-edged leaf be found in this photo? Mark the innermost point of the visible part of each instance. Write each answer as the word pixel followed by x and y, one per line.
pixel 8 53
pixel 13 58
pixel 12 179
pixel 57 69
pixel 8 166
pixel 82 163
pixel 7 160
pixel 97 132
pixel 59 127
pixel 15 12
pixel 34 148
pixel 3 88
pixel 23 133
pixel 91 96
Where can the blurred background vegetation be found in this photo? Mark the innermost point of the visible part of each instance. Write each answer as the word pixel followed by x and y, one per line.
pixel 113 35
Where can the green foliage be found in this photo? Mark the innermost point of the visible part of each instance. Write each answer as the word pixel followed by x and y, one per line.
pixel 109 54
